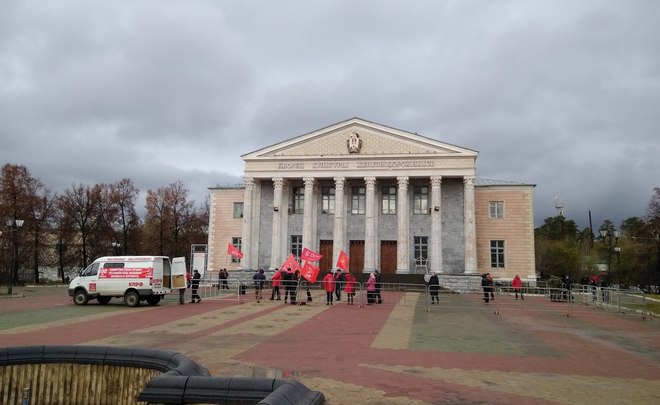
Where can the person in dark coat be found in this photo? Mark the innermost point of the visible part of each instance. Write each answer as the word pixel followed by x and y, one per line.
pixel 434 286
pixel 195 286
pixel 259 280
pixel 340 280
pixel 377 296
pixel 485 287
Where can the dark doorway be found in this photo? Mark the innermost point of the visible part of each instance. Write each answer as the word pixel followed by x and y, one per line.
pixel 356 256
pixel 388 256
pixel 325 264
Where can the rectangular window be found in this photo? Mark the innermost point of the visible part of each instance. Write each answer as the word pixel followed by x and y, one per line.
pixel 389 200
pixel 298 200
pixel 238 210
pixel 497 253
pixel 497 209
pixel 420 200
pixel 296 245
pixel 421 249
pixel 358 200
pixel 328 200
pixel 236 241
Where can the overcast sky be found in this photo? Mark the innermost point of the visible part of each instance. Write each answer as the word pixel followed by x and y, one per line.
pixel 564 94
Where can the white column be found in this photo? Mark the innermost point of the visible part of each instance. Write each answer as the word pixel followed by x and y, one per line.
pixel 276 240
pixel 246 238
pixel 308 212
pixel 403 227
pixel 369 226
pixel 339 232
pixel 435 259
pixel 470 226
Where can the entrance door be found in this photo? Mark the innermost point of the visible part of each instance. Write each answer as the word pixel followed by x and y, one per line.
pixel 388 256
pixel 356 257
pixel 325 264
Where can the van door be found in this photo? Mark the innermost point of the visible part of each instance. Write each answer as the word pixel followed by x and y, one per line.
pixel 179 272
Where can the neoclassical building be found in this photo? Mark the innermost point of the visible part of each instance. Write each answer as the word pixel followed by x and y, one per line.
pixel 390 199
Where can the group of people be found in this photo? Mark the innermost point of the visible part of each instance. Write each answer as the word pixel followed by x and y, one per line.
pixel 223 275
pixel 488 286
pixel 373 288
pixel 334 284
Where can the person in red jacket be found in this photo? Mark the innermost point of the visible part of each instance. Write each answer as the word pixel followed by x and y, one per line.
pixel 350 288
pixel 516 283
pixel 329 287
pixel 277 277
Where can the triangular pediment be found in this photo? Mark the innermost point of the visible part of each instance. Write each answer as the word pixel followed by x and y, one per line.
pixel 357 138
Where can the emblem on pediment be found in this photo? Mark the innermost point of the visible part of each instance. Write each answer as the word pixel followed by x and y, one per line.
pixel 354 143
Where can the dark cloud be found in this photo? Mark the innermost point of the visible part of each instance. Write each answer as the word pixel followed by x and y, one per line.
pixel 558 94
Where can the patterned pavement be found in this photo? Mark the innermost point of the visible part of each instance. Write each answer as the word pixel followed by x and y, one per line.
pixel 460 352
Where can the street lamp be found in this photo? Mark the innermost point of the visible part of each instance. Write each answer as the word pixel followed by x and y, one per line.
pixel 14 226
pixel 115 247
pixel 617 252
pixel 61 247
pixel 610 238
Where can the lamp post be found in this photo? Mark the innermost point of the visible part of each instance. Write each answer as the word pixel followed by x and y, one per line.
pixel 617 252
pixel 14 226
pixel 115 247
pixel 61 247
pixel 610 238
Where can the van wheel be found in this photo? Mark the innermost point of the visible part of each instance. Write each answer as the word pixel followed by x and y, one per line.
pixel 103 300
pixel 153 299
pixel 80 297
pixel 132 299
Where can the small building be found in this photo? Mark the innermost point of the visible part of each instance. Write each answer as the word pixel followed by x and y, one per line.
pixel 391 200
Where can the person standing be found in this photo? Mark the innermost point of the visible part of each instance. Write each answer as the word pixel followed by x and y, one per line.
pixel 516 283
pixel 329 287
pixel 340 279
pixel 195 286
pixel 259 279
pixel 287 280
pixel 434 286
pixel 484 286
pixel 350 288
pixel 182 291
pixel 276 279
pixel 222 276
pixel 371 288
pixel 377 298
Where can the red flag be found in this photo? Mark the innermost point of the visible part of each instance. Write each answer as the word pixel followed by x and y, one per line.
pixel 310 272
pixel 342 262
pixel 232 250
pixel 310 255
pixel 291 263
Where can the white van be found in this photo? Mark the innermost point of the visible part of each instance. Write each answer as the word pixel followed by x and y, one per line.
pixel 134 278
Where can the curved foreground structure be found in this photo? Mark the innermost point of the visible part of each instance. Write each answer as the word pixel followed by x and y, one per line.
pixel 112 375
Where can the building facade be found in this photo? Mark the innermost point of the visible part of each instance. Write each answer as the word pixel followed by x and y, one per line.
pixel 391 200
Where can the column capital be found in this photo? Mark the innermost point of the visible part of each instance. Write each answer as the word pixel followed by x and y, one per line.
pixel 309 182
pixel 278 183
pixel 436 181
pixel 249 183
pixel 402 182
pixel 339 183
pixel 469 181
pixel 370 183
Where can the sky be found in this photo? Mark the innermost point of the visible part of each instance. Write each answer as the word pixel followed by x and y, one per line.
pixel 563 94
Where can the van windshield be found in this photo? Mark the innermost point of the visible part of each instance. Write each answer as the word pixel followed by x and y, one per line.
pixel 91 270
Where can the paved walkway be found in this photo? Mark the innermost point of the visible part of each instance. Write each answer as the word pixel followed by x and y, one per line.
pixel 460 352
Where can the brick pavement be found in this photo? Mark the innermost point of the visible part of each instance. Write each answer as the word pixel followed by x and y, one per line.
pixel 461 352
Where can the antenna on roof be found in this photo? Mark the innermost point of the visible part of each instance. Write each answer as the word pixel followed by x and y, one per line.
pixel 559 206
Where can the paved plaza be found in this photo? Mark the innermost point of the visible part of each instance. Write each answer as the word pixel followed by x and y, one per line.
pixel 461 351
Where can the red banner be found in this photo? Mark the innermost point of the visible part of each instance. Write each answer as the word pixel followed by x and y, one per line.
pixel 310 255
pixel 291 263
pixel 232 250
pixel 310 272
pixel 342 262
